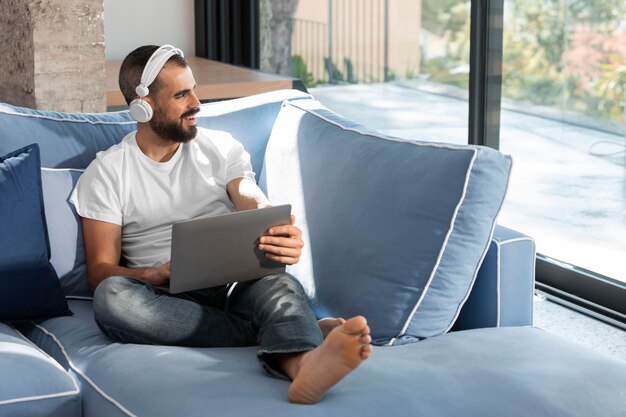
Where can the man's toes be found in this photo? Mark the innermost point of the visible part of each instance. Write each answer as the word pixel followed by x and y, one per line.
pixel 355 325
pixel 366 351
pixel 366 339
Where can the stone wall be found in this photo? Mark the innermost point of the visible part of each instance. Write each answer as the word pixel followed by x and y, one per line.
pixel 53 54
pixel 274 34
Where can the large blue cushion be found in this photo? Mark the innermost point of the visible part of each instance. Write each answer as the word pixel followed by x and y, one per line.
pixel 29 287
pixel 487 372
pixel 394 229
pixel 65 231
pixel 31 383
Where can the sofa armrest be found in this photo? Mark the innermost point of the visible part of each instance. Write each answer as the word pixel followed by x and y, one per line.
pixel 502 294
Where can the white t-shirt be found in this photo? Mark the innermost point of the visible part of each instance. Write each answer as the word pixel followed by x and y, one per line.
pixel 125 187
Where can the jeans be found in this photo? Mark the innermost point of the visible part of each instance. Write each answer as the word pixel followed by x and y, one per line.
pixel 272 312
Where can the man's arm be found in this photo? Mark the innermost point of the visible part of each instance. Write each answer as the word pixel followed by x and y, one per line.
pixel 246 195
pixel 283 243
pixel 103 248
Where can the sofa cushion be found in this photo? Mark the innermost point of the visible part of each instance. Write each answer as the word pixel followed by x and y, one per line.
pixel 65 231
pixel 394 229
pixel 29 287
pixel 484 372
pixel 33 384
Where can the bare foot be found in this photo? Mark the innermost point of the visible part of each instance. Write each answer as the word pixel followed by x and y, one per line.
pixel 329 323
pixel 346 346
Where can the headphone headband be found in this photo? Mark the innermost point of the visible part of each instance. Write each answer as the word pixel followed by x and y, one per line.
pixel 154 66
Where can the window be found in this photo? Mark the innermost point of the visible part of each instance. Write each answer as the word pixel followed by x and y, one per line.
pixel 401 67
pixel 564 74
pixel 542 80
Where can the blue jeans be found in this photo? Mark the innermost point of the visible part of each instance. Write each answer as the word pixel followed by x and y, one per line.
pixel 272 312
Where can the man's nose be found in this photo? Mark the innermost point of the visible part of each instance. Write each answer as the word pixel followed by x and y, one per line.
pixel 195 102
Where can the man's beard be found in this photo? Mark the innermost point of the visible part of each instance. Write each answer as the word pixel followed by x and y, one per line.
pixel 173 130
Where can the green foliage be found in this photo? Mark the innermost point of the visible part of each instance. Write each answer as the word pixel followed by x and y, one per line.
pixel 556 53
pixel 335 74
pixel 445 70
pixel 452 24
pixel 611 87
pixel 436 15
pixel 349 71
pixel 299 70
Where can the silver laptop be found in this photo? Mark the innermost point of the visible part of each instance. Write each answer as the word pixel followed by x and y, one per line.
pixel 223 249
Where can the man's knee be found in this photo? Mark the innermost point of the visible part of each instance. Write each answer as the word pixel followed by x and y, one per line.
pixel 109 296
pixel 282 282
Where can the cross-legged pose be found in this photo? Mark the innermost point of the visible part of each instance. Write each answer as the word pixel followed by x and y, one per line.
pixel 169 170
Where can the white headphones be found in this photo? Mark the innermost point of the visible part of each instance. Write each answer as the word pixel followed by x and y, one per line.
pixel 140 109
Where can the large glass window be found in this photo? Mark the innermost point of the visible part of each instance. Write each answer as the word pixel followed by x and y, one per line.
pixel 563 82
pixel 398 66
pixel 402 67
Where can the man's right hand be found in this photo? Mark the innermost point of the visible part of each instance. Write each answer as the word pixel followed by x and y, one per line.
pixel 159 275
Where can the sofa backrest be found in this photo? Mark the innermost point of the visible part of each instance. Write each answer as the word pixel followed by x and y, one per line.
pixel 70 141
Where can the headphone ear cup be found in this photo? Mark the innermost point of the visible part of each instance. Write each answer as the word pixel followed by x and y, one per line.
pixel 140 110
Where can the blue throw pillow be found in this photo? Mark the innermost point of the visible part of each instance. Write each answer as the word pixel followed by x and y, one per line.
pixel 29 287
pixel 394 230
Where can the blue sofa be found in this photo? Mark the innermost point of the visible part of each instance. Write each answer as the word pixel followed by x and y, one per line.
pixel 402 232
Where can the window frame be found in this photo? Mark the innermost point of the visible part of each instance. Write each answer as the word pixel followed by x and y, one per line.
pixel 598 296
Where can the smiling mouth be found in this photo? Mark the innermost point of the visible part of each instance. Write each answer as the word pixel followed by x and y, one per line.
pixel 191 116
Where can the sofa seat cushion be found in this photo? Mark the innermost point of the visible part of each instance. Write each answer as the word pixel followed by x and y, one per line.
pixel 31 383
pixel 394 230
pixel 484 372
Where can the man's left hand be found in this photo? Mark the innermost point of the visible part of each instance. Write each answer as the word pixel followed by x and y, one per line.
pixel 283 243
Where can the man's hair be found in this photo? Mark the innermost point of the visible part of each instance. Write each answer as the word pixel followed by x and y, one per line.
pixel 132 68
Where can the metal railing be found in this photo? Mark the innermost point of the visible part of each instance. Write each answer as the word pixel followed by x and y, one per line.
pixel 351 47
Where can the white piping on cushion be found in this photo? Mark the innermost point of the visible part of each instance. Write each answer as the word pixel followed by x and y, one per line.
pixel 445 243
pixel 482 258
pixel 498 281
pixel 515 239
pixel 56 119
pixel 85 377
pixel 38 397
pixel 62 169
pixel 54 363
pixel 506 242
pixel 498 284
pixel 469 290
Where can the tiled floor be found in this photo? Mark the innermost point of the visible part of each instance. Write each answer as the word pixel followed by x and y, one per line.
pixel 580 328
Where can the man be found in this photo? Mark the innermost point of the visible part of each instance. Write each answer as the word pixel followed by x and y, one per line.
pixel 169 170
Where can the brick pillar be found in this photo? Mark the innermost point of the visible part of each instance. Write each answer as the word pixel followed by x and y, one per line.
pixel 53 54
